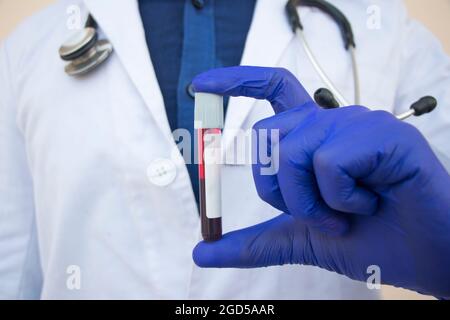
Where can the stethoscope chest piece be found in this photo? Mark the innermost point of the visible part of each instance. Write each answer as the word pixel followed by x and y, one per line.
pixel 84 52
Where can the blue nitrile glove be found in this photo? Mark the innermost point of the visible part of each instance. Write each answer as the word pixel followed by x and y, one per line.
pixel 376 173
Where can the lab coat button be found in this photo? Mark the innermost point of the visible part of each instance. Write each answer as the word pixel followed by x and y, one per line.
pixel 198 4
pixel 190 90
pixel 162 172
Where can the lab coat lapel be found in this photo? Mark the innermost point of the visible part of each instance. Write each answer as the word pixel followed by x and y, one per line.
pixel 268 38
pixel 120 21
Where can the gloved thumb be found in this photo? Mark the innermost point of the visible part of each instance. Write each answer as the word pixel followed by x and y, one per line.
pixel 277 85
pixel 276 242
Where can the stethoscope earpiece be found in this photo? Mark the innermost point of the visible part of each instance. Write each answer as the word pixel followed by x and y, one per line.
pixel 84 51
pixel 325 99
pixel 422 106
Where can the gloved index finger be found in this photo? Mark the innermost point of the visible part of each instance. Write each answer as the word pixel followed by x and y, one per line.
pixel 279 86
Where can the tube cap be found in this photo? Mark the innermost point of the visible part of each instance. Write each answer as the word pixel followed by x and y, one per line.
pixel 208 111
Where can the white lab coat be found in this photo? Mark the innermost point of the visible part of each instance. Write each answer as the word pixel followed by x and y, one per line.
pixel 78 215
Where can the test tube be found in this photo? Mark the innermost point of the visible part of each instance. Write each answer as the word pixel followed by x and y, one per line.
pixel 209 125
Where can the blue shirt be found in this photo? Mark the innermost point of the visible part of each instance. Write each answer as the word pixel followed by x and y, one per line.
pixel 185 38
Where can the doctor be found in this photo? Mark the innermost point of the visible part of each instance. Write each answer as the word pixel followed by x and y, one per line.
pixel 95 203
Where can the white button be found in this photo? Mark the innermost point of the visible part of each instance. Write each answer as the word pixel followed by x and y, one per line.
pixel 162 172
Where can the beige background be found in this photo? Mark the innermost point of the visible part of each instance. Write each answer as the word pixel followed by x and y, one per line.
pixel 435 14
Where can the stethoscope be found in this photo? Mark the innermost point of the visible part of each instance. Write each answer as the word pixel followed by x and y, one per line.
pixel 85 52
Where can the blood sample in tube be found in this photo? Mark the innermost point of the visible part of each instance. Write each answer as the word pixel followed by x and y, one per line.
pixel 209 125
pixel 210 183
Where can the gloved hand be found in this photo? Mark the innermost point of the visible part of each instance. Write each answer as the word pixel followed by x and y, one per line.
pixel 359 188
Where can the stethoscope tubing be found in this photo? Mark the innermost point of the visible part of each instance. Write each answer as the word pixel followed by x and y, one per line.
pixel 300 35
